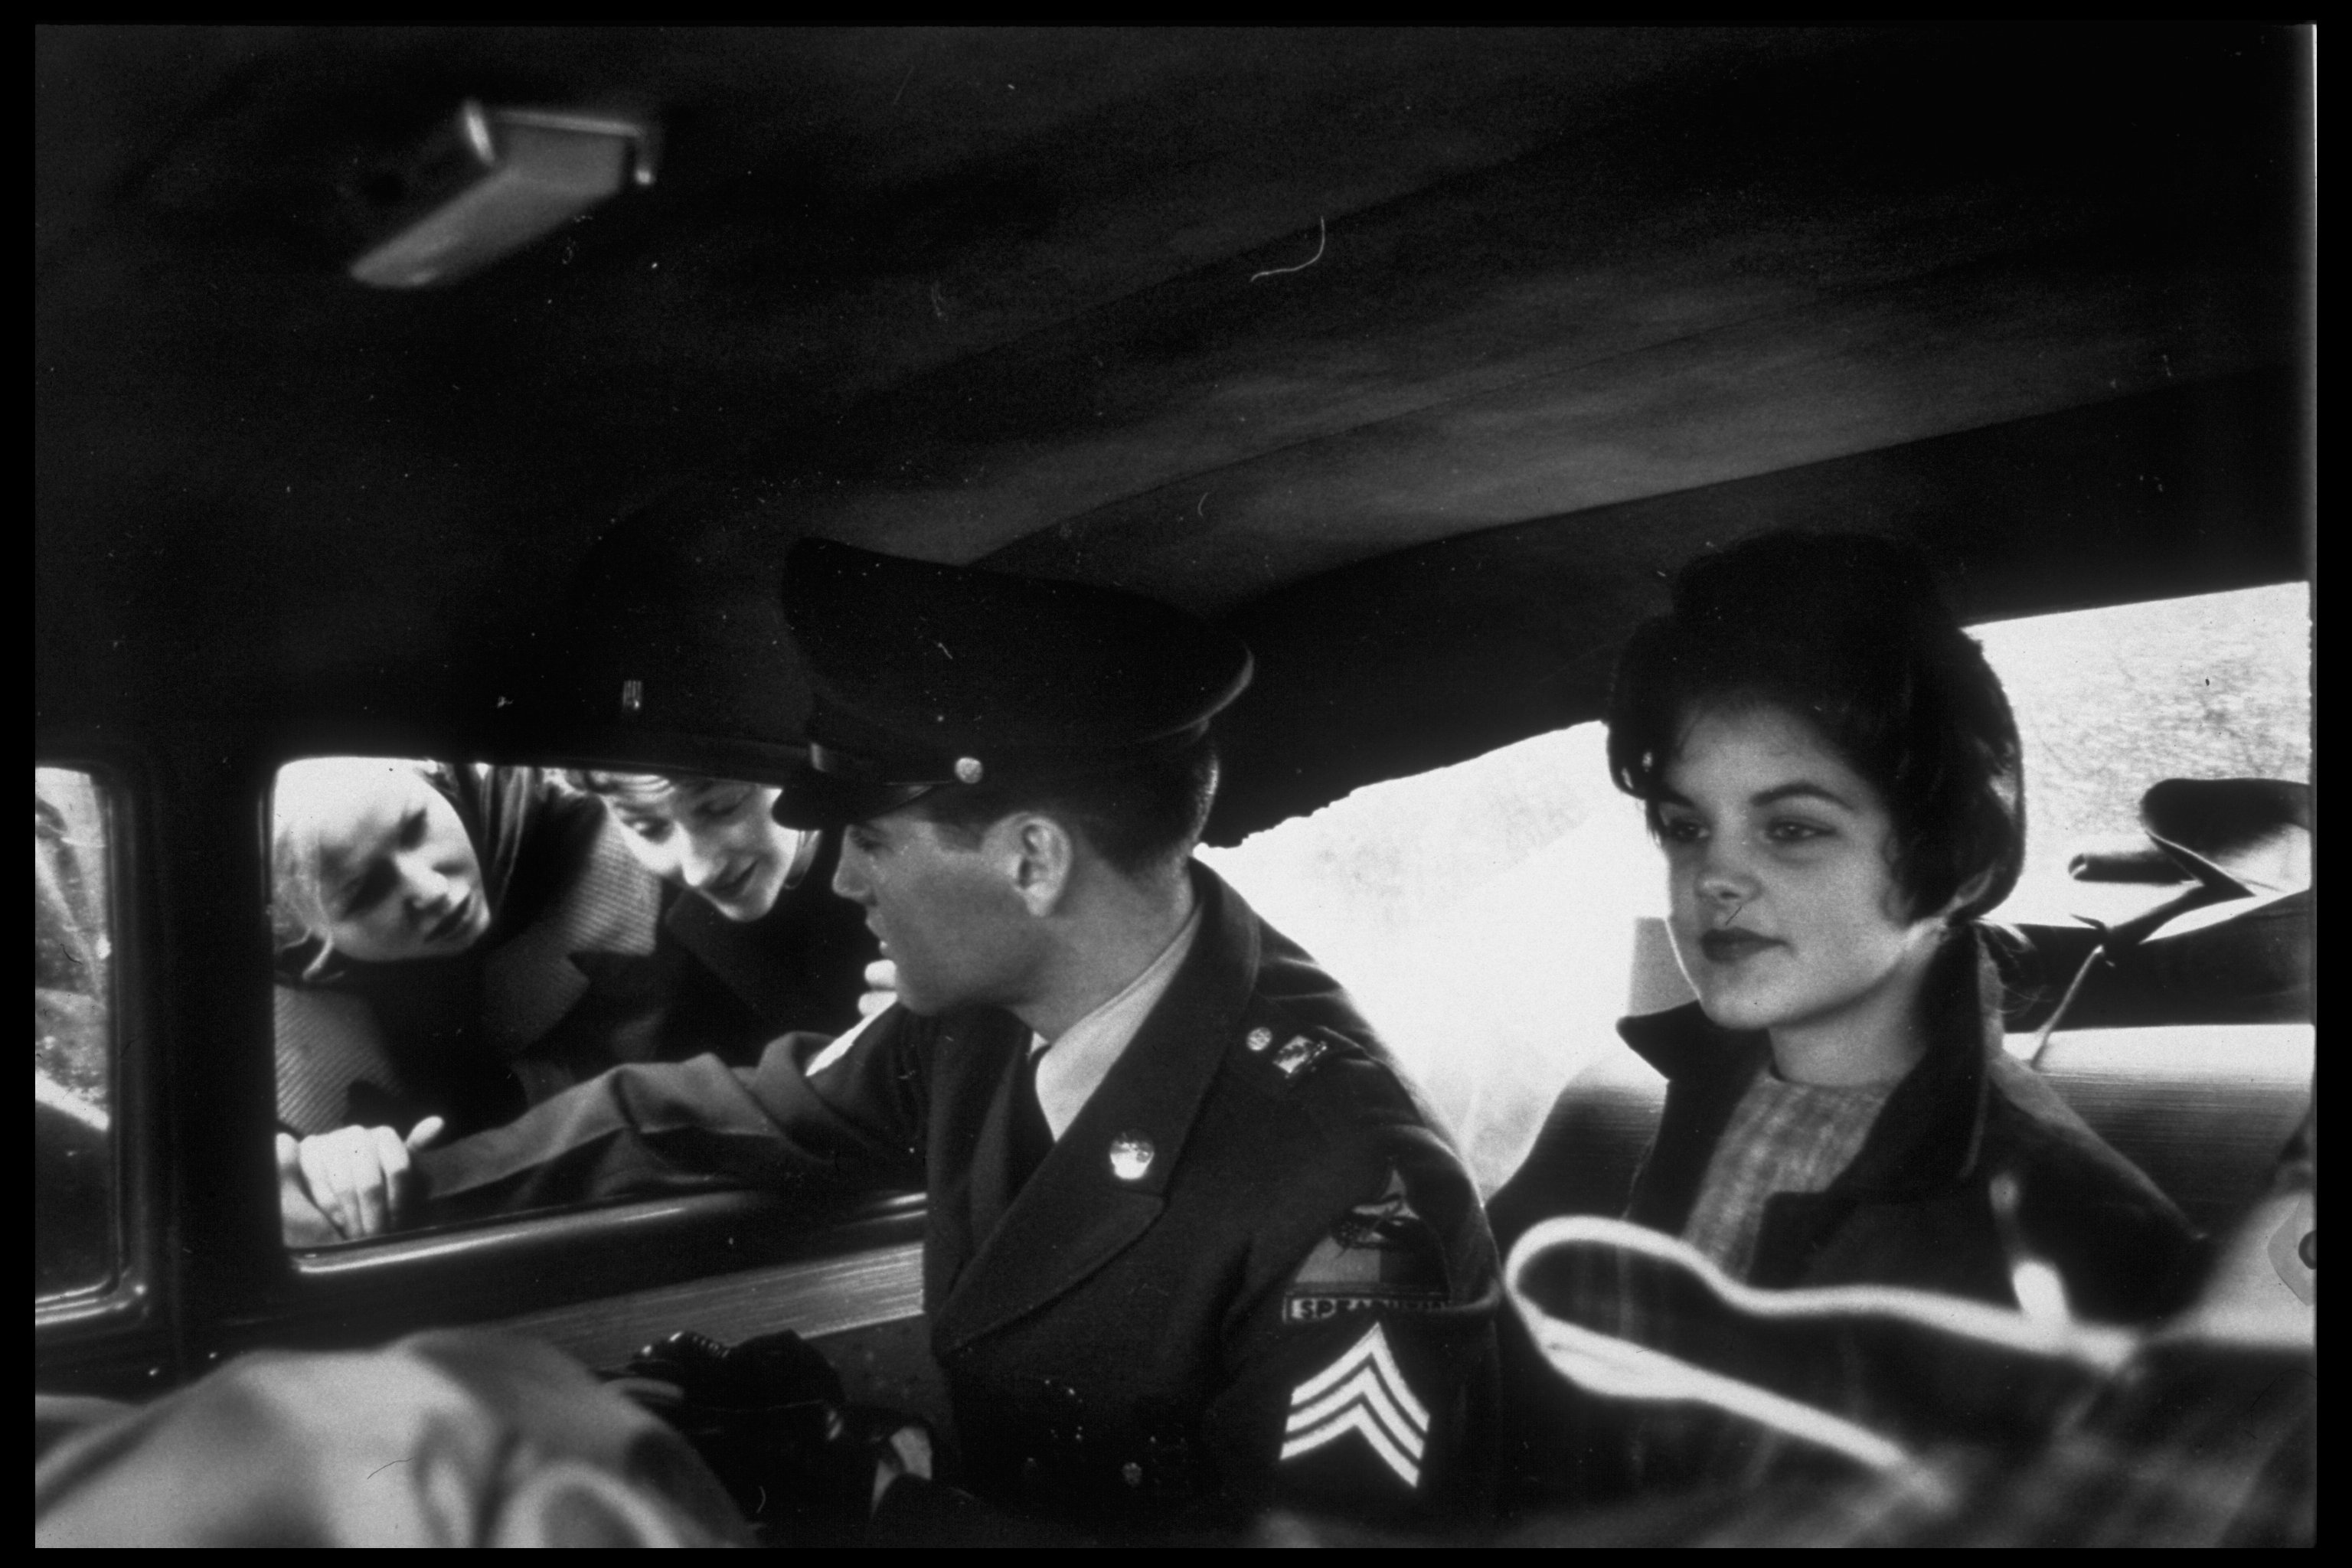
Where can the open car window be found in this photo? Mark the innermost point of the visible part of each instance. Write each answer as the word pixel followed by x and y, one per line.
pixel 74 1183
pixel 454 943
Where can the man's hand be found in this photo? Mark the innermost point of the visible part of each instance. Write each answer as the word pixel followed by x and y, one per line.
pixel 343 1185
pixel 881 987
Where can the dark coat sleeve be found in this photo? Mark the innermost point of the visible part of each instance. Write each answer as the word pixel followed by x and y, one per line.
pixel 701 1125
pixel 1364 1386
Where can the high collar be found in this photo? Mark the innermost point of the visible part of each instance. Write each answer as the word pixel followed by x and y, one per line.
pixel 1077 1061
pixel 1929 1132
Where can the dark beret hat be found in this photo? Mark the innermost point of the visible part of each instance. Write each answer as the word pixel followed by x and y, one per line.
pixel 926 674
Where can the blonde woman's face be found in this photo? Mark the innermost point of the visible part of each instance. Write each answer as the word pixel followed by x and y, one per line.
pixel 398 876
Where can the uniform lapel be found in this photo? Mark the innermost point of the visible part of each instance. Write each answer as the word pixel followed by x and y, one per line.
pixel 968 1145
pixel 1076 1213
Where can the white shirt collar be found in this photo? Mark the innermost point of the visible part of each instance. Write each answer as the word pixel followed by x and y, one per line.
pixel 1075 1064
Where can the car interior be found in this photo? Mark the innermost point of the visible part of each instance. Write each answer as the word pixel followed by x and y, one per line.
pixel 1420 359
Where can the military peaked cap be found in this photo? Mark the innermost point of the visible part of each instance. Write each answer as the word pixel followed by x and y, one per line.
pixel 926 675
pixel 672 656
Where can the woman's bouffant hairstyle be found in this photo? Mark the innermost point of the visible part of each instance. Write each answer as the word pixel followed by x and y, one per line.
pixel 613 784
pixel 1849 632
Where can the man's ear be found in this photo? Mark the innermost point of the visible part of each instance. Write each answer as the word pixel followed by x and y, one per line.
pixel 1044 858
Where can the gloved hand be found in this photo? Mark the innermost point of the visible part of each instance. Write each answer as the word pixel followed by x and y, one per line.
pixel 771 1418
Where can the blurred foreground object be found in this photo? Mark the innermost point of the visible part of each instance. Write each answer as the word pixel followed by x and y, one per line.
pixel 771 1418
pixel 494 182
pixel 447 1439
pixel 1885 1416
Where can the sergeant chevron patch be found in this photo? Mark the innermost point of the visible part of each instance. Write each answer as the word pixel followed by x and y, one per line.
pixel 1362 1391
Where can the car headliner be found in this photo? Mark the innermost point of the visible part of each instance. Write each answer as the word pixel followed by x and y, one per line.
pixel 1421 356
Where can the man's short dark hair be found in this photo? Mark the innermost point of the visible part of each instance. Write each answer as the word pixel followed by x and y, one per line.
pixel 1139 817
pixel 1849 632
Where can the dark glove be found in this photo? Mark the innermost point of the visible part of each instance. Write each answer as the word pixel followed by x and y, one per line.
pixel 770 1416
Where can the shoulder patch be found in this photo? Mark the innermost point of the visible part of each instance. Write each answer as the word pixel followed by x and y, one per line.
pixel 1381 1255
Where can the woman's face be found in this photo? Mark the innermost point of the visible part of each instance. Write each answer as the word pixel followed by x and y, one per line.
pixel 713 837
pixel 397 874
pixel 1786 915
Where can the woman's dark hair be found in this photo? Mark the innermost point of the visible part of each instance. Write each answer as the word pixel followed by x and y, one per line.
pixel 1849 632
pixel 1139 817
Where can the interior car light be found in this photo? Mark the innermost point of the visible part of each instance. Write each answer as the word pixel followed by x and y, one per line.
pixel 494 181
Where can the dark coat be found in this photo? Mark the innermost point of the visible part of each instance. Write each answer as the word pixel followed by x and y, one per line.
pixel 1914 1207
pixel 722 986
pixel 1128 1342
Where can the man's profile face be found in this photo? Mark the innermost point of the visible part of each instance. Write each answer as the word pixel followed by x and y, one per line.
pixel 946 912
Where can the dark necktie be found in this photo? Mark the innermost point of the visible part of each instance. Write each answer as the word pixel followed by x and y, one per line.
pixel 1033 1138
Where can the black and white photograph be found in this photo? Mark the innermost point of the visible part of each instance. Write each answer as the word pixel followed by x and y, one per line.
pixel 939 786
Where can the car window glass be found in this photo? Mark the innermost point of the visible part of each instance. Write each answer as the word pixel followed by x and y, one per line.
pixel 1488 915
pixel 454 943
pixel 73 1037
pixel 2110 701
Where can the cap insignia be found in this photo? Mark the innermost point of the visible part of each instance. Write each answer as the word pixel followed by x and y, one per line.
pixel 1260 1037
pixel 968 769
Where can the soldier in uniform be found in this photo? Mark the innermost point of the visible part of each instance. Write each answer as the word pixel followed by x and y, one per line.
pixel 1195 1246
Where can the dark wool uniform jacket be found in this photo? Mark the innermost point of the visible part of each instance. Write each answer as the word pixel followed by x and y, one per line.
pixel 1250 1273
pixel 1915 1207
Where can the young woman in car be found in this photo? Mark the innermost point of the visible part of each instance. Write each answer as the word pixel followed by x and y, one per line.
pixel 1834 774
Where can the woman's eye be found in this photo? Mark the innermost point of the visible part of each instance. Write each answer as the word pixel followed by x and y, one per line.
pixel 1794 832
pixel 721 809
pixel 411 829
pixel 369 890
pixel 1681 831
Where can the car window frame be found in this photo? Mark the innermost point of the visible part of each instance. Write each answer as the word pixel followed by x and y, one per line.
pixel 100 1322
pixel 559 1263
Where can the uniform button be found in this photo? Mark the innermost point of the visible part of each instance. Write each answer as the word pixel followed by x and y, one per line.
pixel 1132 1154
